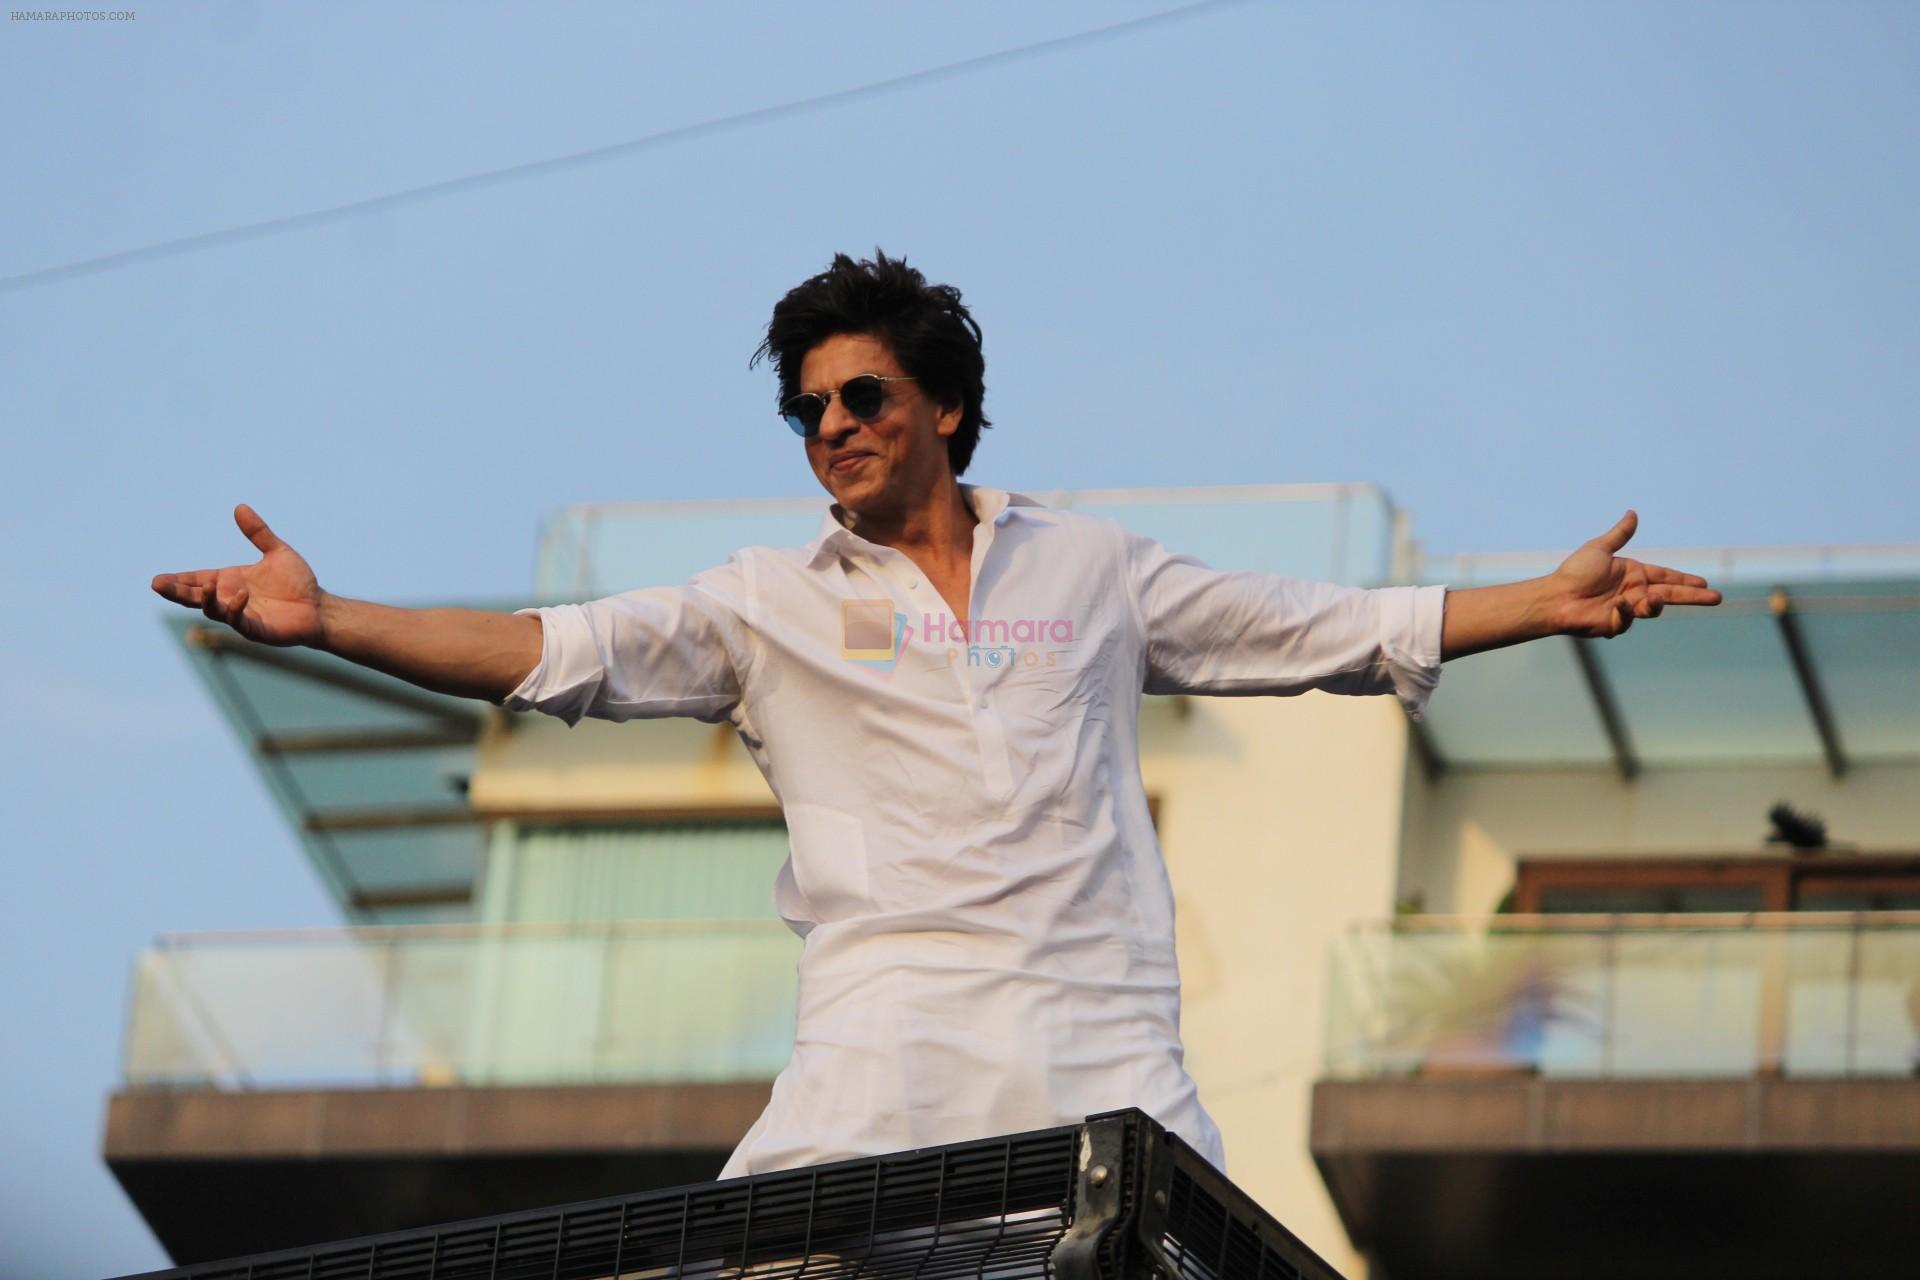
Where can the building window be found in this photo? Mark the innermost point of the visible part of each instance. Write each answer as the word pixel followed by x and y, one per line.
pixel 1828 882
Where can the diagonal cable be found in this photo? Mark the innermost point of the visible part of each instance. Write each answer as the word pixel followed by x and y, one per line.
pixel 598 155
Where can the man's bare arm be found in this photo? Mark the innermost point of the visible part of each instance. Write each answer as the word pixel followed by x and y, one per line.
pixel 1596 592
pixel 471 653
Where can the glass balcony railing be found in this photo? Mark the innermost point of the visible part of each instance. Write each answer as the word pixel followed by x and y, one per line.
pixel 652 1002
pixel 1620 996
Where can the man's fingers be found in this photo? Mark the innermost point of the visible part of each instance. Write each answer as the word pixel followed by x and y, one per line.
pixel 185 588
pixel 1682 588
pixel 1690 595
pixel 1676 588
pixel 1660 573
pixel 1616 537
pixel 1651 604
pixel 230 594
pixel 255 528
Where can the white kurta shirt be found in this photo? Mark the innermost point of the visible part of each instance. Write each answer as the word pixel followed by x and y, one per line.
pixel 988 924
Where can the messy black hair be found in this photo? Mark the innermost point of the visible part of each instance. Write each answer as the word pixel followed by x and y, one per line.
pixel 930 332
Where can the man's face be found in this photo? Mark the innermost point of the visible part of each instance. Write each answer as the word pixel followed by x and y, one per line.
pixel 880 468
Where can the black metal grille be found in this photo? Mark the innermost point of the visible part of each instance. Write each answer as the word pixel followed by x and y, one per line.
pixel 1115 1198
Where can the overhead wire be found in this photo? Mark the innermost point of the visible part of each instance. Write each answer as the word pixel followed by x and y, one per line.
pixel 286 224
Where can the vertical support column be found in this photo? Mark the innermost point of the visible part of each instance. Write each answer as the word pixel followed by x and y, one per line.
pixel 1099 1200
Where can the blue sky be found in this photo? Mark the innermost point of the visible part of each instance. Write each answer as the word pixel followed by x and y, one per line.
pixel 1524 265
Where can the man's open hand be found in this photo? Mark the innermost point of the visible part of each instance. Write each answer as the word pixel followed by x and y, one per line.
pixel 275 600
pixel 1598 592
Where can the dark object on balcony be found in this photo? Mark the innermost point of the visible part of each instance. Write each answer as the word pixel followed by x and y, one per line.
pixel 1114 1198
pixel 1804 832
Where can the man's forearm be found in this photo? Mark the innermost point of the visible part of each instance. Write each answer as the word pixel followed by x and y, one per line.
pixel 471 653
pixel 1482 618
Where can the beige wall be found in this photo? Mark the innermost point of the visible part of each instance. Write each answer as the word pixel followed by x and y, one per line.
pixel 1466 831
pixel 1280 818
pixel 1281 821
pixel 535 762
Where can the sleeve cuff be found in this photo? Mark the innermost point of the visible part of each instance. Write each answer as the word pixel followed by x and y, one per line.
pixel 535 692
pixel 1413 646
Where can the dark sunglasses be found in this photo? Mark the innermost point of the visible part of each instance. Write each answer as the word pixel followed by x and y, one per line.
pixel 864 396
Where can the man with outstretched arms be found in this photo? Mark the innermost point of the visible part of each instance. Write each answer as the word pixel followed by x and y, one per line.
pixel 943 689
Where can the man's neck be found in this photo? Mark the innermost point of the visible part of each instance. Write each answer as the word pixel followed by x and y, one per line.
pixel 939 530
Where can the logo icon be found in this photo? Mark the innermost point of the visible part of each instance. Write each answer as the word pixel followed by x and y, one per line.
pixel 868 632
pixel 874 635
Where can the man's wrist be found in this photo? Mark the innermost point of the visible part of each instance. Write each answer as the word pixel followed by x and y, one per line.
pixel 1543 614
pixel 326 610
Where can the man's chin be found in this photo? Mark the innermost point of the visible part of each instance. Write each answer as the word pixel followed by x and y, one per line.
pixel 859 496
pixel 870 506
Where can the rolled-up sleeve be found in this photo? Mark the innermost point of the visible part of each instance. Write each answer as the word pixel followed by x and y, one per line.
pixel 1212 632
pixel 660 651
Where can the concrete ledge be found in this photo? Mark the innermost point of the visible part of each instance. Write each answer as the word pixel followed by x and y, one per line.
pixel 1530 1113
pixel 217 1174
pixel 216 1124
pixel 1522 1177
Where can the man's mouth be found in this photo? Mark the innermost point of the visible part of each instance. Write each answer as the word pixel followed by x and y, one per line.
pixel 847 461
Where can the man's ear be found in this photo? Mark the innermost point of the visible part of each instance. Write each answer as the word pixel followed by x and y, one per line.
pixel 949 420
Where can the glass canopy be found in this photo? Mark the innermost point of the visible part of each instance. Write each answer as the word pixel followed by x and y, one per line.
pixel 1823 671
pixel 371 772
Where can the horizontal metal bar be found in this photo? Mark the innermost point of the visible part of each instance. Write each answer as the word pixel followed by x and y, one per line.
pixel 420 895
pixel 390 933
pixel 340 820
pixel 446 816
pixel 1655 922
pixel 349 740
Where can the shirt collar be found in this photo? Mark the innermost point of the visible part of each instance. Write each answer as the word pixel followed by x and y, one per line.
pixel 990 505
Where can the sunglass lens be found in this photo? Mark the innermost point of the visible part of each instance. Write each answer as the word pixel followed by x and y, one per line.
pixel 803 414
pixel 864 396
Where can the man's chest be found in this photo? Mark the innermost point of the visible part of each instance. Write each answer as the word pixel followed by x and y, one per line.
pixel 879 646
pixel 873 685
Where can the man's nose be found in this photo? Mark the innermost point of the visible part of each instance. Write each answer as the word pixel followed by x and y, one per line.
pixel 836 424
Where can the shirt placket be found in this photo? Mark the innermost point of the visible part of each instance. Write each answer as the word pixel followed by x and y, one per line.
pixel 976 683
pixel 989 730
